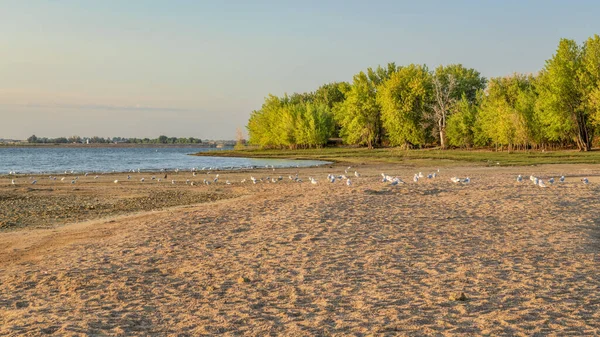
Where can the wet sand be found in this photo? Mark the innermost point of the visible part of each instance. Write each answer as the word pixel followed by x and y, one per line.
pixel 301 259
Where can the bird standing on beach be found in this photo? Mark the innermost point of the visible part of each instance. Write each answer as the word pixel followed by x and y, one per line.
pixel 416 178
pixel 348 182
pixel 562 179
pixel 551 181
pixel 116 181
pixel 519 178
pixel 356 174
pixel 541 183
pixel 34 182
pixel 455 180
pixel 585 181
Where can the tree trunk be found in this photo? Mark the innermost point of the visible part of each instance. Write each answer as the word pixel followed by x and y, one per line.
pixel 443 138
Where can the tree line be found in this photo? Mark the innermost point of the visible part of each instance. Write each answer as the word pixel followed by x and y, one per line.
pixel 100 140
pixel 414 106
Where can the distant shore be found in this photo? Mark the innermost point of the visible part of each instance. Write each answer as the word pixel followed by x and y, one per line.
pixel 110 145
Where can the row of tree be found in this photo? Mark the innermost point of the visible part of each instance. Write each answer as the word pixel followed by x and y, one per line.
pixel 413 106
pixel 99 140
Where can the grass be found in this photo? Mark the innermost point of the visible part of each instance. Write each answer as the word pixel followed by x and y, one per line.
pixel 440 157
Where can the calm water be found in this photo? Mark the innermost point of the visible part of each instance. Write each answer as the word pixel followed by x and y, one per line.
pixel 55 160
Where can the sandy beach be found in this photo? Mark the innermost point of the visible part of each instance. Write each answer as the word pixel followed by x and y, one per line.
pixel 492 257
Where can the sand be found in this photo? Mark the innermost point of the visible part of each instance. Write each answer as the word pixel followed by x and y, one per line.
pixel 493 257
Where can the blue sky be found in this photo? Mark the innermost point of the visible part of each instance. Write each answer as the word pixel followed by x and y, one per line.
pixel 197 68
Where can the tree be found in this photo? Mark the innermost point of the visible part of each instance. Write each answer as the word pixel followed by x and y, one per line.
pixel 32 139
pixel 590 77
pixel 461 123
pixel 162 139
pixel 404 100
pixel 562 98
pixel 507 114
pixel 358 115
pixel 74 139
pixel 450 84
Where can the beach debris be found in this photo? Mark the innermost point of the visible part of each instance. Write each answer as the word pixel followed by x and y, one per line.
pixel 459 297
pixel 243 279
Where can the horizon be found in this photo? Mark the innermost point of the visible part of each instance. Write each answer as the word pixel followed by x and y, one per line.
pixel 148 68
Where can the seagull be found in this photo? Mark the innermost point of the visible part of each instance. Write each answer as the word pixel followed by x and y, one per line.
pixel 142 180
pixel 173 182
pixel 356 174
pixel 551 181
pixel 541 183
pixel 13 182
pixel 455 180
pixel 562 179
pixel 243 180
pixel 430 176
pixel 34 182
pixel 466 180
pixel 128 177
pixel 96 177
pixel 519 178
pixel 421 175
pixel 535 180
pixel 62 179
pixel 416 178
pixel 346 170
pixel 348 182
pixel 585 181
pixel 312 180
pixel 116 181
pixel 73 181
pixel 253 179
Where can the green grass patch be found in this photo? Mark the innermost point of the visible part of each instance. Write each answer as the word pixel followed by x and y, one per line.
pixel 440 157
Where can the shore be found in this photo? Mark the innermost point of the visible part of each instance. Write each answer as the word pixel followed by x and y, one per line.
pixel 492 257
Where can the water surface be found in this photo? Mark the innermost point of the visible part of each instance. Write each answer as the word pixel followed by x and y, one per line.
pixel 122 159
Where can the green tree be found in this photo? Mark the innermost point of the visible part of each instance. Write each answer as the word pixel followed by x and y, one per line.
pixel 590 77
pixel 450 84
pixel 460 126
pixel 404 100
pixel 358 115
pixel 32 139
pixel 561 103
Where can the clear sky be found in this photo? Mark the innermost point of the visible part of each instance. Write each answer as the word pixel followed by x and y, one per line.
pixel 141 68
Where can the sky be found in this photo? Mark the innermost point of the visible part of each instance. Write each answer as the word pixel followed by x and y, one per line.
pixel 193 68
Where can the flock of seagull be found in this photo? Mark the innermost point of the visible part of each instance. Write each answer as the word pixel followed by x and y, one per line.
pixel 331 178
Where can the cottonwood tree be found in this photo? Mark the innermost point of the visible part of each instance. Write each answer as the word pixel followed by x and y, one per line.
pixel 562 98
pixel 358 115
pixel 450 84
pixel 404 100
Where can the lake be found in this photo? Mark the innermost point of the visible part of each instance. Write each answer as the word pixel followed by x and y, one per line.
pixel 122 159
